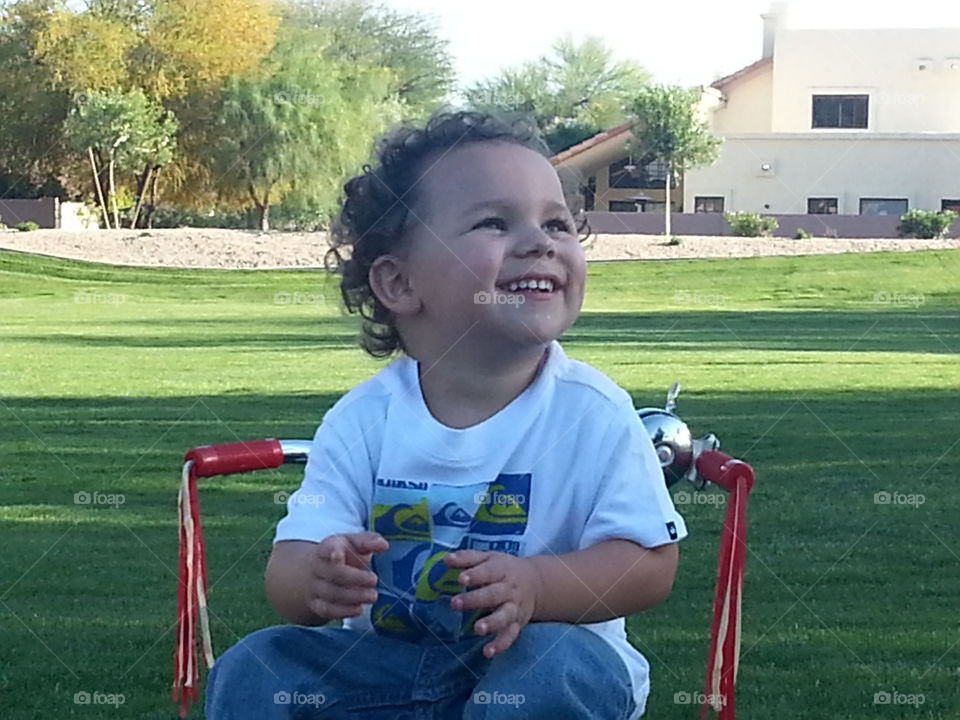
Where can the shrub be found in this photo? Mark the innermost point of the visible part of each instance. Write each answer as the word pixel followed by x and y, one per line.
pixel 28 226
pixel 926 223
pixel 746 224
pixel 282 217
pixel 675 241
pixel 803 234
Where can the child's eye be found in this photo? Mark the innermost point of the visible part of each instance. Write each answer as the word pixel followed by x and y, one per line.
pixel 493 222
pixel 560 224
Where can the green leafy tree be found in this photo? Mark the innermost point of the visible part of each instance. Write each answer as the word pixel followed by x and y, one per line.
pixel 32 110
pixel 192 45
pixel 178 53
pixel 293 133
pixel 367 34
pixel 574 92
pixel 86 51
pixel 213 65
pixel 124 130
pixel 669 127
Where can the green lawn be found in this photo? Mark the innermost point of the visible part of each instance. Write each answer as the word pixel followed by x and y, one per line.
pixel 108 375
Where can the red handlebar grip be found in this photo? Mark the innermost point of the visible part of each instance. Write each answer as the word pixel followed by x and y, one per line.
pixel 723 470
pixel 236 457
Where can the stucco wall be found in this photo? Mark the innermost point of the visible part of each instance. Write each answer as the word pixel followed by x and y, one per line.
pixel 923 170
pixel 748 104
pixel 883 64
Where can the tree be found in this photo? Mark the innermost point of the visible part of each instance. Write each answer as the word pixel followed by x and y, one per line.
pixel 178 52
pixel 574 92
pixel 31 108
pixel 194 45
pixel 668 126
pixel 371 35
pixel 86 51
pixel 212 64
pixel 293 133
pixel 123 129
pixel 361 41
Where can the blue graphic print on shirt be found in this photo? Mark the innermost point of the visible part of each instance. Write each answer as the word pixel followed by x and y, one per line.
pixel 423 522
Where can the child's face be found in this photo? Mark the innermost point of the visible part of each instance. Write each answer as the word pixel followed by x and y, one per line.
pixel 492 214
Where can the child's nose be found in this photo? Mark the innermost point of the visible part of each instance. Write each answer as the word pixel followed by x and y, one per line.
pixel 536 242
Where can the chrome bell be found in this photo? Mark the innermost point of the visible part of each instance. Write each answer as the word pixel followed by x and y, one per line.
pixel 676 449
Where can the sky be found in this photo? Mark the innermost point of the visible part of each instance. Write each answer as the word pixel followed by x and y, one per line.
pixel 687 42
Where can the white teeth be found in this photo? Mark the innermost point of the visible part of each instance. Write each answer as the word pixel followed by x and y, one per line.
pixel 545 285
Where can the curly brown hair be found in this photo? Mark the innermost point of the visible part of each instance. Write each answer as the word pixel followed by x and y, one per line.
pixel 374 211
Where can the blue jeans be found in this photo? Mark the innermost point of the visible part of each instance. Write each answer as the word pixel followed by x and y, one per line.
pixel 553 670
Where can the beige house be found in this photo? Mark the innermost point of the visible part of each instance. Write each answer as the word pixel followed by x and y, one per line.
pixel 848 122
pixel 616 181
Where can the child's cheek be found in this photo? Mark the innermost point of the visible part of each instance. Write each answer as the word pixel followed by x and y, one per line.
pixel 481 268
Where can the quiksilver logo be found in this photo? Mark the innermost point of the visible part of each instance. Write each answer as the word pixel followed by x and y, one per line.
pixel 404 484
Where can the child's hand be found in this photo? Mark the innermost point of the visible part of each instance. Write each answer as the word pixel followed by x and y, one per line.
pixel 340 580
pixel 507 585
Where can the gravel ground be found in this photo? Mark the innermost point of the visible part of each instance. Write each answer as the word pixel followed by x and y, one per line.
pixel 240 249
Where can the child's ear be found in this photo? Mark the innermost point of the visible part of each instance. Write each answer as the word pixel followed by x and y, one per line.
pixel 389 281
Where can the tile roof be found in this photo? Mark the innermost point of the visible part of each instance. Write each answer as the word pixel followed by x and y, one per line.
pixel 591 142
pixel 742 72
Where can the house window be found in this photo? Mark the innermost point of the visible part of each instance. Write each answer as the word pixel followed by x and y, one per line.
pixel 590 193
pixel 622 206
pixel 640 175
pixel 840 111
pixel 625 174
pixel 947 204
pixel 883 206
pixel 821 206
pixel 703 204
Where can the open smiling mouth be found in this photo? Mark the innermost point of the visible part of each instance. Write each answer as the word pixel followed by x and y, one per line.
pixel 532 287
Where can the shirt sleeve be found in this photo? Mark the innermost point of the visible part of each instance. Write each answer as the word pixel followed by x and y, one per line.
pixel 632 501
pixel 331 500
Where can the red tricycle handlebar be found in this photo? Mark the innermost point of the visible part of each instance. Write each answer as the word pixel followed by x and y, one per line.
pixel 241 457
pixel 723 470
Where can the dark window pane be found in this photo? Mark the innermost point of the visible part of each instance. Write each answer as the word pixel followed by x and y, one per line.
pixel 590 193
pixel 950 204
pixel 622 177
pixel 883 206
pixel 854 112
pixel 708 204
pixel 643 174
pixel 622 206
pixel 822 206
pixel 841 111
pixel 825 113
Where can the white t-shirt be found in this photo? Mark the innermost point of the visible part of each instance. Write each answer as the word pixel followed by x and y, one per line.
pixel 566 465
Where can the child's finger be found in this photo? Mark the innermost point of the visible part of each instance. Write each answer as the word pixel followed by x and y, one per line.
pixel 360 548
pixel 502 642
pixel 498 621
pixel 365 543
pixel 489 596
pixel 486 572
pixel 334 549
pixel 349 576
pixel 350 595
pixel 465 558
pixel 334 611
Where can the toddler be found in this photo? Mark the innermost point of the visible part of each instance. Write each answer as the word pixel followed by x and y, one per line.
pixel 484 512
